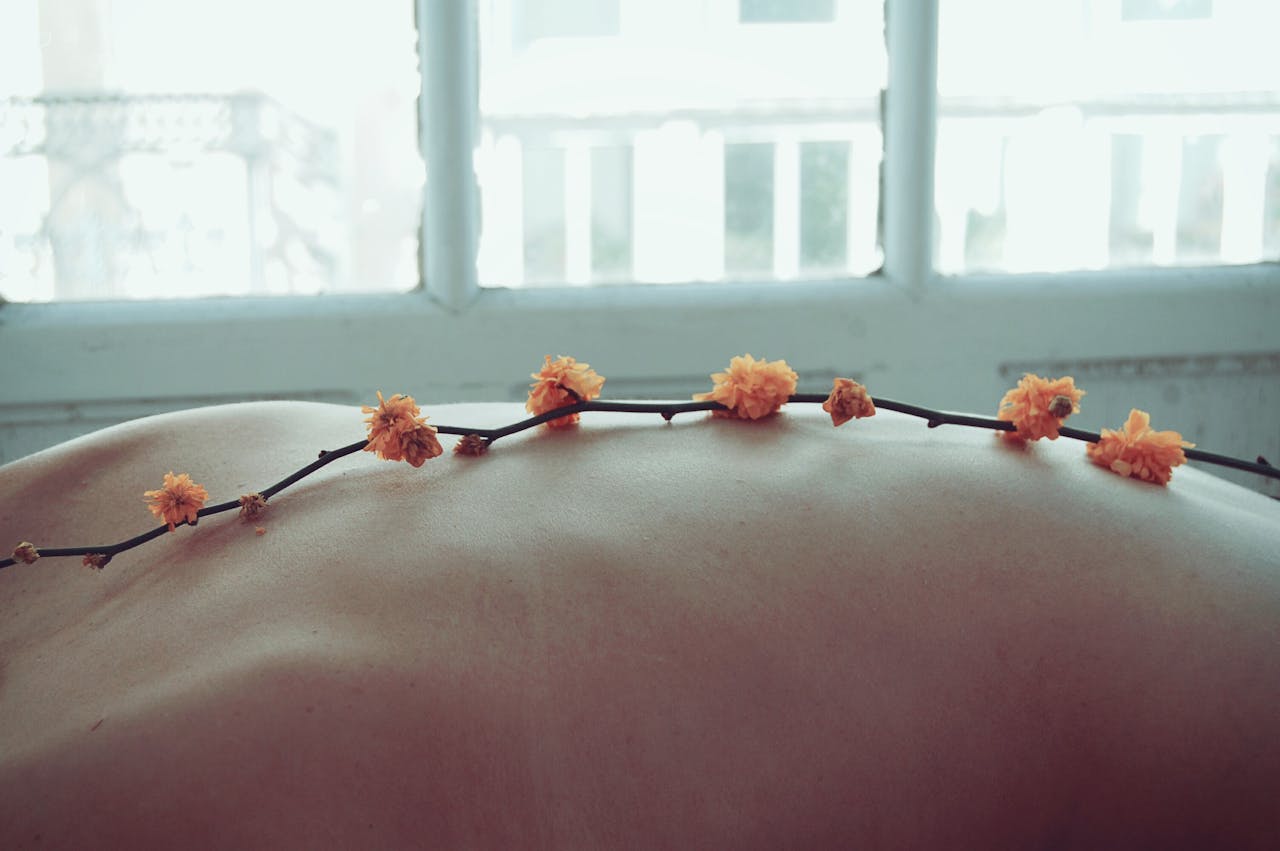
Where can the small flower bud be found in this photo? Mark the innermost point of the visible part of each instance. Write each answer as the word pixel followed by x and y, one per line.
pixel 1061 406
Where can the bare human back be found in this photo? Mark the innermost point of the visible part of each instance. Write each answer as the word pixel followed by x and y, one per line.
pixel 703 633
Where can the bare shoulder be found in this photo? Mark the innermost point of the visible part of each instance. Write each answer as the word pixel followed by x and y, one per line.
pixel 632 633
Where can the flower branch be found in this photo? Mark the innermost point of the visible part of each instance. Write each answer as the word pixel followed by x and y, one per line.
pixel 749 389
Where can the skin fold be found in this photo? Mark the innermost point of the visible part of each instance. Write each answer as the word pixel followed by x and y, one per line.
pixel 636 634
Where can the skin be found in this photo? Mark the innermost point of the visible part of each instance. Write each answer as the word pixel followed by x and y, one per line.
pixel 634 634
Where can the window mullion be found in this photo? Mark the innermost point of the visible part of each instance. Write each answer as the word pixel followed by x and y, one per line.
pixel 910 122
pixel 448 47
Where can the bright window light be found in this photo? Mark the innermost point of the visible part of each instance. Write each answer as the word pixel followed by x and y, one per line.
pixel 171 148
pixel 662 142
pixel 1107 133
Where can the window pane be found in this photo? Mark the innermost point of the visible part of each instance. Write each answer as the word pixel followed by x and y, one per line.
pixel 1132 133
pixel 687 133
pixel 824 205
pixel 544 249
pixel 611 214
pixel 170 148
pixel 748 209
pixel 778 11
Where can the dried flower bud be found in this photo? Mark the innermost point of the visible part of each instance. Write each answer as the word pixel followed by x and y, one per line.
pixel 96 560
pixel 471 444
pixel 848 400
pixel 26 553
pixel 1061 406
pixel 252 505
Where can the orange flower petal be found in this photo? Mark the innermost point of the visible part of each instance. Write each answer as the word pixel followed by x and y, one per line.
pixel 848 400
pixel 562 382
pixel 1037 406
pixel 750 388
pixel 1137 451
pixel 179 501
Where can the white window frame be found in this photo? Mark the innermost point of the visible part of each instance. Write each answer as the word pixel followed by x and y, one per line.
pixel 907 331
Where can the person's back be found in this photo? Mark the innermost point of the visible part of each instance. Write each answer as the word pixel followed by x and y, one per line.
pixel 702 634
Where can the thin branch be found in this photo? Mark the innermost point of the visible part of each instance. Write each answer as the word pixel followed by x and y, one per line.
pixel 667 410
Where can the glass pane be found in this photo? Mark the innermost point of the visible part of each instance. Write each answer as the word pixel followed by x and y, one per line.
pixel 824 205
pixel 611 214
pixel 697 140
pixel 171 148
pixel 778 11
pixel 748 209
pixel 1134 132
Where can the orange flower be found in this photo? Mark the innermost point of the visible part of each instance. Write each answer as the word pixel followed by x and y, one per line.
pixel 848 400
pixel 1138 451
pixel 252 505
pixel 398 433
pixel 1037 407
pixel 387 422
pixel 179 500
pixel 751 388
pixel 26 553
pixel 96 560
pixel 471 444
pixel 562 382
pixel 419 444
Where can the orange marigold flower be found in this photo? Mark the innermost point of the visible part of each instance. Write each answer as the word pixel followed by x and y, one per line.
pixel 471 444
pixel 562 382
pixel 848 400
pixel 179 500
pixel 1037 406
pixel 252 505
pixel 96 560
pixel 751 388
pixel 26 553
pixel 1138 451
pixel 419 444
pixel 392 418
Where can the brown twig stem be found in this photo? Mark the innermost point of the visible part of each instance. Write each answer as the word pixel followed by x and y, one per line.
pixel 667 410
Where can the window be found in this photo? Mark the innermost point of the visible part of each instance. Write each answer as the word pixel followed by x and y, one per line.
pixel 621 141
pixel 1135 136
pixel 139 161
pixel 678 141
pixel 931 194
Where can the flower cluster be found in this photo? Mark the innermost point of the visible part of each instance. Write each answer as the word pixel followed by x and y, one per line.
pixel 751 389
pixel 748 389
pixel 562 382
pixel 398 432
pixel 1037 407
pixel 178 501
pixel 1138 451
